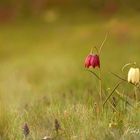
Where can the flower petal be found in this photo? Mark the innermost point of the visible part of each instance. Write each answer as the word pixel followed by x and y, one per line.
pixel 87 61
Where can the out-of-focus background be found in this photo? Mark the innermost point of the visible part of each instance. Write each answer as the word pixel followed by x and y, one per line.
pixel 43 44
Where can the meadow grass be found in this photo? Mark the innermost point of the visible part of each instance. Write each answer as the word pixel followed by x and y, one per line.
pixel 42 78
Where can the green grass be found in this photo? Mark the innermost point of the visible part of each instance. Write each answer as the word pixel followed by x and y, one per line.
pixel 42 77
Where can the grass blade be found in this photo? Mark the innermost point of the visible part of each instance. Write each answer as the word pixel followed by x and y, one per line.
pixel 94 74
pixel 111 93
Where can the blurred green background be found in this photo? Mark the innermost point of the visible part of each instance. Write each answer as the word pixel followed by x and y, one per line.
pixel 43 44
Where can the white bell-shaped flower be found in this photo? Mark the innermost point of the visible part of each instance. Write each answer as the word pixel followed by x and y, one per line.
pixel 134 75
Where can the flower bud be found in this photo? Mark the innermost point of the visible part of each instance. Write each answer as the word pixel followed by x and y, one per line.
pixel 92 60
pixel 134 75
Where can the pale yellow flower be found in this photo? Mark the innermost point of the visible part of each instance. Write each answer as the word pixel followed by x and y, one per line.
pixel 134 75
pixel 112 125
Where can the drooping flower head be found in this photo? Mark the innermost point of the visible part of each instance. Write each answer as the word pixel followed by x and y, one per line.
pixel 92 60
pixel 134 75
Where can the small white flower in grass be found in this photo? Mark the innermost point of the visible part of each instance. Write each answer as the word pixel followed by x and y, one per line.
pixel 134 75
pixel 112 125
pixel 47 138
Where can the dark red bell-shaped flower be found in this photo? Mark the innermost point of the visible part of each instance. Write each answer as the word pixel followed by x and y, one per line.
pixel 92 60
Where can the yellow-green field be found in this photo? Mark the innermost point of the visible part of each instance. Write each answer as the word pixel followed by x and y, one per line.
pixel 42 77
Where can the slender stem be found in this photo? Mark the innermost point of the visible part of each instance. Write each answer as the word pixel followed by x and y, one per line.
pixel 128 64
pixel 112 93
pixel 125 80
pixel 100 85
pixel 136 96
pixel 100 49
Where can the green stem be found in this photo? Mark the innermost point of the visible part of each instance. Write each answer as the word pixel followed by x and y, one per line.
pixel 100 85
pixel 111 93
pixel 136 96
